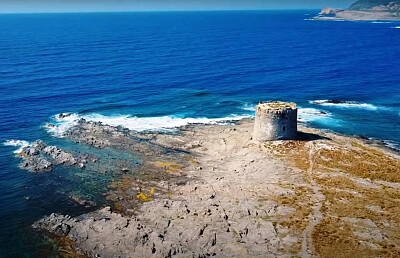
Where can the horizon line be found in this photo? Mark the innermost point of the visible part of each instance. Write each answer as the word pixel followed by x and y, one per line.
pixel 162 11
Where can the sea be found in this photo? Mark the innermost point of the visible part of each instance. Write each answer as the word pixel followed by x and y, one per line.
pixel 161 70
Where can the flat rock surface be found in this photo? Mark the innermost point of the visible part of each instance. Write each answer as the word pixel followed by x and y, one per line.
pixel 311 197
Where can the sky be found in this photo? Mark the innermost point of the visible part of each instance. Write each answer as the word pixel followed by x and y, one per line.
pixel 32 6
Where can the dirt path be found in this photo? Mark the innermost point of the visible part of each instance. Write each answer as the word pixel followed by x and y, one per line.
pixel 307 247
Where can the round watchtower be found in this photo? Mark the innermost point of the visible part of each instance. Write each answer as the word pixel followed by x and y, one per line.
pixel 275 121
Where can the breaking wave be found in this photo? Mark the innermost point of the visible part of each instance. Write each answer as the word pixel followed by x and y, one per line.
pixel 17 143
pixel 383 22
pixel 306 115
pixel 249 107
pixel 312 114
pixel 63 122
pixel 344 104
pixel 392 145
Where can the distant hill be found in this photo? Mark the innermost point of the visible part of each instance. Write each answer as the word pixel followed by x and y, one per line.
pixel 364 10
pixel 376 5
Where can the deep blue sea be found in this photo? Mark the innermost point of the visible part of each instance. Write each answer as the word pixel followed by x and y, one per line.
pixel 161 70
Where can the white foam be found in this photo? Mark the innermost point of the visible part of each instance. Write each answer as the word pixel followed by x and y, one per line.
pixel 312 114
pixel 318 116
pixel 396 27
pixel 17 143
pixel 61 124
pixel 392 144
pixel 345 104
pixel 163 123
pixel 249 107
pixel 381 22
pixel 304 114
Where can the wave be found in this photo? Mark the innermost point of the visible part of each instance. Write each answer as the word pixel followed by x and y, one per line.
pixel 61 123
pixel 17 143
pixel 312 114
pixel 305 115
pixel 392 145
pixel 64 122
pixel 381 22
pixel 344 104
pixel 321 117
pixel 249 107
pixel 396 27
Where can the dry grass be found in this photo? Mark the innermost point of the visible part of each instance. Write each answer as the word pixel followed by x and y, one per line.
pixel 294 150
pixel 300 201
pixel 361 161
pixel 334 238
pixel 343 169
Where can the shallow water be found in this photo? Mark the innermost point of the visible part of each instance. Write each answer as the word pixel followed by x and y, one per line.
pixel 160 70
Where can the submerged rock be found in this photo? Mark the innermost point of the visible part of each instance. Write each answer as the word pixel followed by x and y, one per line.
pixel 82 201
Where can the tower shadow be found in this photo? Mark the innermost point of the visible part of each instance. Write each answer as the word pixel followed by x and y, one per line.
pixel 307 137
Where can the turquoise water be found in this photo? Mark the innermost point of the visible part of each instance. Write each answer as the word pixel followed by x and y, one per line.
pixel 161 70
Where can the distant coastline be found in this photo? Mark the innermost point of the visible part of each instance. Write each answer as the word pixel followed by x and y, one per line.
pixel 329 14
pixel 363 10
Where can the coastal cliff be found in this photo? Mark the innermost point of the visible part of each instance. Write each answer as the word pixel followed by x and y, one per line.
pixel 364 10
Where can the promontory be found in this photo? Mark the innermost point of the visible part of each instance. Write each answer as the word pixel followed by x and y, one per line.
pixel 364 10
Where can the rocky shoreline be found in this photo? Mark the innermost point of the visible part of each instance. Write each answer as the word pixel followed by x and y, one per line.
pixel 330 14
pixel 363 10
pixel 208 190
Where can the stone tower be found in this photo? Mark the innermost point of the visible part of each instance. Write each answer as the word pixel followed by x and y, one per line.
pixel 275 121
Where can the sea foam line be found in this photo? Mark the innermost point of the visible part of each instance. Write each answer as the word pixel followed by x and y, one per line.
pixel 392 144
pixel 164 123
pixel 313 114
pixel 344 104
pixel 17 143
pixel 379 22
pixel 304 114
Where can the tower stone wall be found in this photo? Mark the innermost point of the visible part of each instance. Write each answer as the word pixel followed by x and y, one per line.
pixel 275 121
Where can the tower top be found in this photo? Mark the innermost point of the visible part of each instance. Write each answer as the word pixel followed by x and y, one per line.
pixel 276 105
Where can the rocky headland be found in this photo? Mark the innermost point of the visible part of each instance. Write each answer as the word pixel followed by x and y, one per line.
pixel 209 190
pixel 364 10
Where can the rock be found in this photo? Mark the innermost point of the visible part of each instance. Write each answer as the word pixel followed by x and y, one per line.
pixel 82 201
pixel 32 151
pixel 59 156
pixel 328 11
pixel 63 115
pixel 40 157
